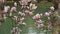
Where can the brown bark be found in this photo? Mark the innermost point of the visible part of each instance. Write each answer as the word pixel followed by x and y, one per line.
pixel 56 2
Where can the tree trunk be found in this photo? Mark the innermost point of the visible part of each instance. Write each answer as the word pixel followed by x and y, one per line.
pixel 56 3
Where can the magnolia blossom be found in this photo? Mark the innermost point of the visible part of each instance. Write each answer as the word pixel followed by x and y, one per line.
pixel 15 4
pixel 4 16
pixel 30 13
pixel 37 16
pixel 47 15
pixel 2 1
pixel 16 30
pixel 13 9
pixel 26 11
pixel 23 2
pixel 34 17
pixel 24 23
pixel 50 13
pixel 15 18
pixel 26 0
pixel 31 4
pixel 32 7
pixel 49 25
pixel 6 8
pixel 40 23
pixel 21 14
pixel 21 19
pixel 23 7
pixel 21 23
pixel 10 14
pixel 41 14
pixel 52 8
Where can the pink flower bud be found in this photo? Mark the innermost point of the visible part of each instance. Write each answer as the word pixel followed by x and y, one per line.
pixel 13 9
pixel 37 16
pixel 52 8
pixel 26 12
pixel 47 14
pixel 30 13
pixel 6 8
pixel 15 4
pixel 23 3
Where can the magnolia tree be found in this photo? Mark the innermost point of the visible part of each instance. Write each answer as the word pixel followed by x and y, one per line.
pixel 23 12
pixel 16 30
pixel 9 11
pixel 38 18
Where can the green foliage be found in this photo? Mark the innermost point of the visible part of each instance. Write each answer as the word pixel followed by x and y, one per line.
pixel 45 4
